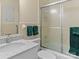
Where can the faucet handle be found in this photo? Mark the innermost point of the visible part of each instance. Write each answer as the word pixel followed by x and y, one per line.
pixel 8 34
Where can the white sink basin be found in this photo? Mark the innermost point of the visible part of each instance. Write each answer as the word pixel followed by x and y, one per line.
pixel 14 48
pixel 11 47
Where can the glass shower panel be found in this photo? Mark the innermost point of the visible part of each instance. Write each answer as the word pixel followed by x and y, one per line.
pixel 51 27
pixel 71 22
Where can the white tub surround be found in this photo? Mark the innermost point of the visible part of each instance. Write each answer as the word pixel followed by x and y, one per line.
pixel 48 53
pixel 60 55
pixel 20 49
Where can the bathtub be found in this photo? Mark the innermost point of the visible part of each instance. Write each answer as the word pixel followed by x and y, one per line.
pixel 20 49
pixel 48 54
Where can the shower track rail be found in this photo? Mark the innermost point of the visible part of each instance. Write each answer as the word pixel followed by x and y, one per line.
pixel 54 3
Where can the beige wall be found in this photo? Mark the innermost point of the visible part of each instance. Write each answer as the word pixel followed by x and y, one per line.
pixel 0 17
pixel 29 14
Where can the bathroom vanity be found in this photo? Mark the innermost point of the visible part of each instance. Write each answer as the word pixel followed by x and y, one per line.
pixel 20 49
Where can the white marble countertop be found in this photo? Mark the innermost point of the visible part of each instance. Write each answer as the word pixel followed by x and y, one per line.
pixel 14 48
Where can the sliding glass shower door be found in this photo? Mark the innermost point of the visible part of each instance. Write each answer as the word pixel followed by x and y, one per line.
pixel 51 27
pixel 60 27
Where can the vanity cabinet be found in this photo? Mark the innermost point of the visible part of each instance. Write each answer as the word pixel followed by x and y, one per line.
pixel 29 54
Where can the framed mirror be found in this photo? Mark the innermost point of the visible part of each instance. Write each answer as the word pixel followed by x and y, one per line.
pixel 9 17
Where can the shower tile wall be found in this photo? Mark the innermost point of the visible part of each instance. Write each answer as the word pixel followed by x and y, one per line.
pixel 70 19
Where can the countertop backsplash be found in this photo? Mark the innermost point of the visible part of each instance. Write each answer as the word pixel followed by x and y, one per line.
pixel 3 39
pixel 10 38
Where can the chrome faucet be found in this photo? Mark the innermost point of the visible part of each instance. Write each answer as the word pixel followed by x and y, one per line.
pixel 7 40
